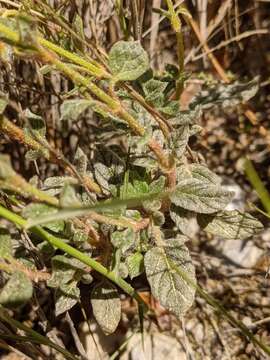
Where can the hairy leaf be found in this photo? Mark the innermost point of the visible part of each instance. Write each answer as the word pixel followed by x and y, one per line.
pixel 179 140
pixel 135 264
pixel 167 286
pixel 17 291
pixel 6 170
pixel 183 219
pixel 230 224
pixel 33 210
pixel 63 270
pixel 198 172
pixel 106 306
pixel 123 239
pixel 66 297
pixel 72 109
pixel 226 95
pixel 200 197
pixel 128 60
pixel 5 244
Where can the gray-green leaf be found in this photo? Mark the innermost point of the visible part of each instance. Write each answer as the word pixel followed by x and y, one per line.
pixel 128 60
pixel 167 285
pixel 72 109
pixel 106 307
pixel 200 197
pixel 32 211
pixel 66 297
pixel 5 244
pixel 17 291
pixel 230 224
pixel 135 264
pixel 183 219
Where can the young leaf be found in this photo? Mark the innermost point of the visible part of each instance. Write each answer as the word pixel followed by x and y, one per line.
pixel 5 244
pixel 200 197
pixel 80 161
pixel 68 197
pixel 66 297
pixel 72 109
pixel 135 264
pixel 230 224
pixel 167 286
pixel 154 91
pixel 17 291
pixel 106 306
pixel 128 60
pixel 179 140
pixel 123 239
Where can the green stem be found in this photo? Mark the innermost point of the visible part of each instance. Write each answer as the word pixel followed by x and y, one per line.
pixel 59 244
pixel 33 335
pixel 258 185
pixel 177 27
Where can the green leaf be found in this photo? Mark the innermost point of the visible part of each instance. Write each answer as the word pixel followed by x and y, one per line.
pixel 33 211
pixel 63 270
pixel 128 60
pixel 68 197
pixel 123 239
pixel 182 219
pixel 198 172
pixel 6 170
pixel 17 291
pixel 154 91
pixel 135 265
pixel 37 124
pixel 72 109
pixel 226 95
pixel 80 161
pixel 167 286
pixel 179 140
pixel 5 244
pixel 186 117
pixel 66 297
pixel 106 306
pixel 231 224
pixel 200 197
pixel 27 29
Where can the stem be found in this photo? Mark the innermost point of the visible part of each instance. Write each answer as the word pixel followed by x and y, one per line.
pixel 177 27
pixel 59 244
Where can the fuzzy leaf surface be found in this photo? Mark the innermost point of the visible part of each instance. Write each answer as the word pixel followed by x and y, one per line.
pixel 128 60
pixel 231 224
pixel 167 286
pixel 106 306
pixel 17 291
pixel 200 197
